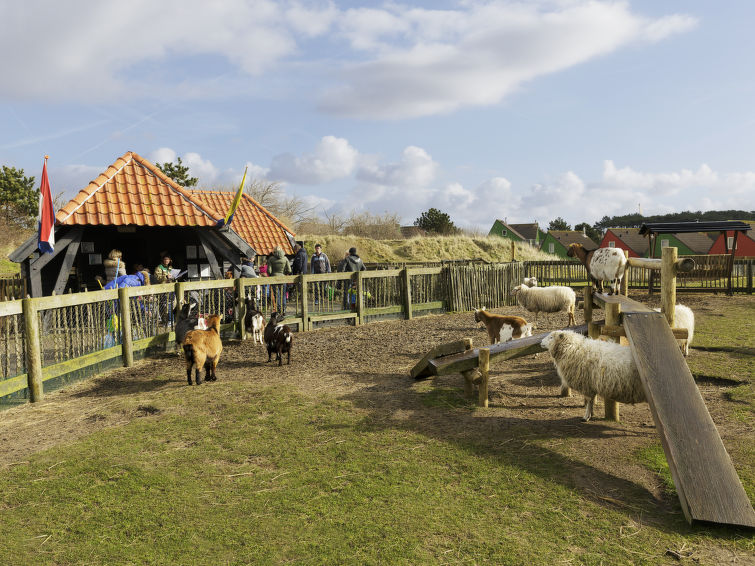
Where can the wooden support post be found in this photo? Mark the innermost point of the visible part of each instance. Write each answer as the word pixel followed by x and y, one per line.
pixel 513 251
pixel 407 283
pixel 33 350
pixel 613 318
pixel 668 284
pixel 304 294
pixel 126 336
pixel 587 299
pixel 484 371
pixel 240 308
pixel 749 277
pixel 625 280
pixel 360 299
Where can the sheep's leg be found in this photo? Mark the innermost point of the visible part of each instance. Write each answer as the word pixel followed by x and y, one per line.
pixel 589 402
pixel 565 390
pixel 598 285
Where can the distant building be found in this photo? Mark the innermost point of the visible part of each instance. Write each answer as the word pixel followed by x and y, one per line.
pixel 689 243
pixel 745 243
pixel 528 233
pixel 556 242
pixel 628 239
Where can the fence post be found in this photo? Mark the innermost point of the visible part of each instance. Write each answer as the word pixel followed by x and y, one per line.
pixel 625 280
pixel 240 308
pixel 749 276
pixel 668 283
pixel 33 350
pixel 484 361
pixel 304 302
pixel 360 298
pixel 613 318
pixel 407 293
pixel 127 345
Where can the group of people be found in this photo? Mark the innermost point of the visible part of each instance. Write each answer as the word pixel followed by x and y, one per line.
pixel 116 276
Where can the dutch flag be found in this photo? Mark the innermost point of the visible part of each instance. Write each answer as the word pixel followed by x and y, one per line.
pixel 46 214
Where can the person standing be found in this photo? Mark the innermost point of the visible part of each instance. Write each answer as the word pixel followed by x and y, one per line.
pixel 298 266
pixel 277 264
pixel 164 269
pixel 351 262
pixel 320 264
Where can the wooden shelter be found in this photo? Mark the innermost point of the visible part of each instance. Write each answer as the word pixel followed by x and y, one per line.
pixel 135 208
pixel 654 229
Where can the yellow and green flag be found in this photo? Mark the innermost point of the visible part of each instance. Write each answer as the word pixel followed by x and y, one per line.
pixel 234 205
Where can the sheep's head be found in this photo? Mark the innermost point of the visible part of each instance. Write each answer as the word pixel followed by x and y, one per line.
pixel 515 290
pixel 559 339
pixel 530 281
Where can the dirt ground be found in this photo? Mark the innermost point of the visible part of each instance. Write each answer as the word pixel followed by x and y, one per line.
pixel 369 366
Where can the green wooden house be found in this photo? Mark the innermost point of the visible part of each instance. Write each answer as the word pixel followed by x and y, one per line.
pixel 556 242
pixel 527 233
pixel 691 243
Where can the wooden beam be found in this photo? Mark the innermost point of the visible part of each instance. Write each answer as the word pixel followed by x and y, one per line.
pixel 684 265
pixel 221 246
pixel 65 269
pixel 705 479
pixel 73 234
pixel 421 370
pixel 210 253
pixel 618 332
pixel 229 234
pixel 506 351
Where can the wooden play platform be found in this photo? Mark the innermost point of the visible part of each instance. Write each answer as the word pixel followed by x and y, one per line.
pixel 705 479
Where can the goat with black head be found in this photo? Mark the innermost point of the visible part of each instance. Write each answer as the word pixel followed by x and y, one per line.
pixel 278 338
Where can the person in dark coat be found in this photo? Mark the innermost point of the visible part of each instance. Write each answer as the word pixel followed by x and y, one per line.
pixel 352 262
pixel 320 264
pixel 277 264
pixel 299 265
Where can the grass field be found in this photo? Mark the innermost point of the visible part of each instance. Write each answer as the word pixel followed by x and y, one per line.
pixel 262 468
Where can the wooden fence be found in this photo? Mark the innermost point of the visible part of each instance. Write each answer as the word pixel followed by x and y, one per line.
pixel 47 342
pixel 12 288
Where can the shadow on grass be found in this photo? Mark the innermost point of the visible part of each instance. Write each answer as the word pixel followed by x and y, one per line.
pixel 742 350
pixel 444 414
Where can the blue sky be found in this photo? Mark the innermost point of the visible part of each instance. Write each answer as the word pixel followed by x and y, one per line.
pixel 516 110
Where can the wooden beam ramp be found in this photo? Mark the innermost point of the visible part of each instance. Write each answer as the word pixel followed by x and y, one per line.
pixel 705 479
pixel 459 356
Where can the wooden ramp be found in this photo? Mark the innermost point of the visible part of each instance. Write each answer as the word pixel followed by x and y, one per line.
pixel 705 479
pixel 469 359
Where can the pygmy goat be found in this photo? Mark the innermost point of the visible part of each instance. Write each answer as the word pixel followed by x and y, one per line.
pixel 278 338
pixel 502 328
pixel 254 321
pixel 202 349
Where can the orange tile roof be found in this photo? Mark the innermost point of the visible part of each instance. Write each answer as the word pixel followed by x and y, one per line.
pixel 252 221
pixel 134 191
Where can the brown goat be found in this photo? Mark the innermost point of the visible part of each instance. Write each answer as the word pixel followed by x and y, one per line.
pixel 202 349
pixel 502 328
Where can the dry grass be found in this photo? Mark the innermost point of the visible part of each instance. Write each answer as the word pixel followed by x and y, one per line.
pixel 423 249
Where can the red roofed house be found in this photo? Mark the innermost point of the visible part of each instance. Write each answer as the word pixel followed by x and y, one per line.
pixel 134 207
pixel 627 239
pixel 745 243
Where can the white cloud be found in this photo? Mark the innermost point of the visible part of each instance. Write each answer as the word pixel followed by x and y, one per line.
pixel 438 61
pixel 163 155
pixel 333 158
pixel 200 168
pixel 415 169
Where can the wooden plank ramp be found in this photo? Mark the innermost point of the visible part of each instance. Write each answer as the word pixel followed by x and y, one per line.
pixel 469 359
pixel 705 479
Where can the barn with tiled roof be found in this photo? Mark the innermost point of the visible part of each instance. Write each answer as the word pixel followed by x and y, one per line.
pixel 135 208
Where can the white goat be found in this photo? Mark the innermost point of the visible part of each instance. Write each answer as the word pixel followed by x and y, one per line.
pixel 594 367
pixel 603 264
pixel 684 318
pixel 546 299
pixel 502 328
pixel 530 281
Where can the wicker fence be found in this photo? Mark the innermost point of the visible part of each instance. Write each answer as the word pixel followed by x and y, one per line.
pixel 12 288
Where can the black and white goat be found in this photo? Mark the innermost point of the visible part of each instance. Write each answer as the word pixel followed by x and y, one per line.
pixel 187 318
pixel 278 338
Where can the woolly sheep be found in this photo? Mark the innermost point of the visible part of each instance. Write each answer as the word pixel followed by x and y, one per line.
pixel 546 299
pixel 603 264
pixel 594 367
pixel 530 281
pixel 684 318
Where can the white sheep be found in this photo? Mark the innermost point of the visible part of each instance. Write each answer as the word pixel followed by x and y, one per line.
pixel 594 367
pixel 546 299
pixel 684 318
pixel 603 264
pixel 530 281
